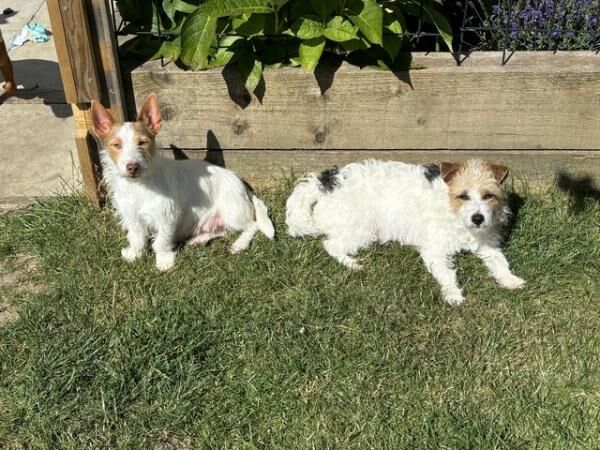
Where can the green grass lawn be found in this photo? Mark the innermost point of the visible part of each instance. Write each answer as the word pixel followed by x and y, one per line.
pixel 282 347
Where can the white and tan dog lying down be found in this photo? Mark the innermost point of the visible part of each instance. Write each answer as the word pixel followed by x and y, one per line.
pixel 171 201
pixel 440 212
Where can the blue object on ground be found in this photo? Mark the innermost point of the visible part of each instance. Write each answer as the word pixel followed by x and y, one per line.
pixel 33 31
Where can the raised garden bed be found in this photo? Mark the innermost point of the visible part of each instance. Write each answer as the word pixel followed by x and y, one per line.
pixel 538 101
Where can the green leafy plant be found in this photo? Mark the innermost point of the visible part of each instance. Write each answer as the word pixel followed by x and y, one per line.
pixel 255 34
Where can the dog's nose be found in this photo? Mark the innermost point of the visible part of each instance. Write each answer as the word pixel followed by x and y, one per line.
pixel 132 168
pixel 477 219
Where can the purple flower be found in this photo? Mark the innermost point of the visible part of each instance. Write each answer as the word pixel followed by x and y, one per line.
pixel 545 24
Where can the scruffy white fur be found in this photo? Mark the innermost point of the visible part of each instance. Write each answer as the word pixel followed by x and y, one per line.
pixel 171 201
pixel 377 201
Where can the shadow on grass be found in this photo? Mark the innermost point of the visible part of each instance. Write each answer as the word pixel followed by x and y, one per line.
pixel 581 189
pixel 515 203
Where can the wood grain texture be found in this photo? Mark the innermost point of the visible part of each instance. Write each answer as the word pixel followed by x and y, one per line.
pixel 107 56
pixel 539 100
pixel 62 51
pixel 535 167
pixel 75 29
pixel 87 152
pixel 88 59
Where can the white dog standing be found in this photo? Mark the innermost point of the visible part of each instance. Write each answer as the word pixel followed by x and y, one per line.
pixel 440 212
pixel 171 201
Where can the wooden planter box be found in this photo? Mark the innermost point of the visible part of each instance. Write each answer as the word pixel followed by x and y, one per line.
pixel 539 112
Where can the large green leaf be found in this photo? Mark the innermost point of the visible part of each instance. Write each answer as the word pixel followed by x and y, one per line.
pixel 310 53
pixel 392 44
pixel 197 34
pixel 251 70
pixel 355 45
pixel 135 11
pixel 223 8
pixel 340 30
pixel 249 24
pixel 276 4
pixel 169 49
pixel 394 27
pixel 172 6
pixel 299 9
pixel 324 8
pixel 440 22
pixel 368 16
pixel 308 28
pixel 226 51
pixel 394 20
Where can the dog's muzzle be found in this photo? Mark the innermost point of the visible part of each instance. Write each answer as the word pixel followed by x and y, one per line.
pixel 477 219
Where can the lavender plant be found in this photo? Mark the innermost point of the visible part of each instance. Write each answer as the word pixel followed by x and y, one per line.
pixel 543 25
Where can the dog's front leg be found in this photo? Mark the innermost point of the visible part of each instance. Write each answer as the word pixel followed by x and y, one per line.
pixel 498 266
pixel 163 246
pixel 136 236
pixel 440 266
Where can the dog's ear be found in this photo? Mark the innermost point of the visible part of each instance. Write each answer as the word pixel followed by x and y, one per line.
pixel 102 120
pixel 449 170
pixel 500 172
pixel 150 114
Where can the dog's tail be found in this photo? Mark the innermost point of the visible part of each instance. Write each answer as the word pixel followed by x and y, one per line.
pixel 299 207
pixel 262 217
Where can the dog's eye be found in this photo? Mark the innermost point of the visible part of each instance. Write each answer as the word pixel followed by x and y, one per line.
pixel 116 145
pixel 463 197
pixel 489 196
pixel 142 141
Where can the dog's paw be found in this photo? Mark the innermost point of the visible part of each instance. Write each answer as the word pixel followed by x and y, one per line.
pixel 350 263
pixel 453 297
pixel 165 261
pixel 129 254
pixel 512 282
pixel 354 265
pixel 236 248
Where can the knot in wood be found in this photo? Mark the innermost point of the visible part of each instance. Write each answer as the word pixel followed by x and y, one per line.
pixel 240 126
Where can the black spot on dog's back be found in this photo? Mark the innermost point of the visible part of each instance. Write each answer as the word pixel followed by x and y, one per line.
pixel 328 179
pixel 432 171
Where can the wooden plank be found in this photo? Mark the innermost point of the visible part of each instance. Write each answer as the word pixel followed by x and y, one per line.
pixel 539 100
pixel 87 151
pixel 535 167
pixel 62 51
pixel 88 59
pixel 74 49
pixel 107 56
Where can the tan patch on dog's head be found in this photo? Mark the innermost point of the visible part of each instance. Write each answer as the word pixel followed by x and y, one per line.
pixel 144 139
pixel 463 178
pixel 145 129
pixel 106 129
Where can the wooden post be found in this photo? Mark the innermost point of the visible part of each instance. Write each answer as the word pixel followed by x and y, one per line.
pixel 88 58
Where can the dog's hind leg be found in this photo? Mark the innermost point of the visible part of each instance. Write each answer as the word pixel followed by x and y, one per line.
pixel 340 251
pixel 244 239
pixel 203 238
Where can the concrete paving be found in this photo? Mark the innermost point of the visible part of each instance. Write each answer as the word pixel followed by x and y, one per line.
pixel 37 147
